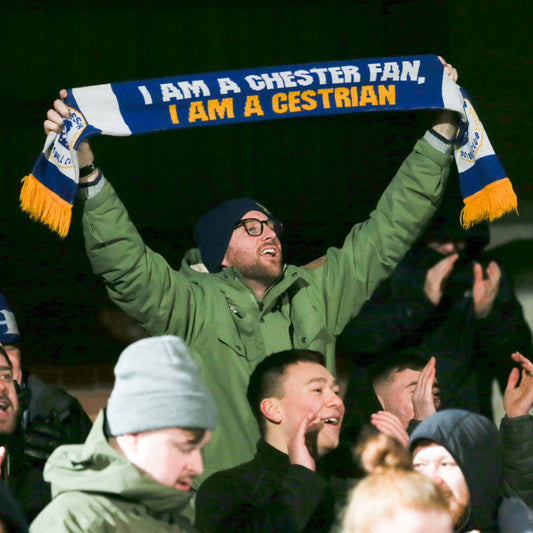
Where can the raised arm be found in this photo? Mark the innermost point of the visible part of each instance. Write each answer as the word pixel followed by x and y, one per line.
pixel 446 123
pixel 137 279
pixel 54 123
pixel 516 430
pixel 374 248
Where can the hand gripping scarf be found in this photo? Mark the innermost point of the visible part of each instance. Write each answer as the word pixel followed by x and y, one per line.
pixel 362 85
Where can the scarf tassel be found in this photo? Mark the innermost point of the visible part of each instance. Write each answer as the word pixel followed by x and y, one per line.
pixel 492 202
pixel 43 205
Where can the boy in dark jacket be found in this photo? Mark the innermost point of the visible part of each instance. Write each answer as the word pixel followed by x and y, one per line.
pixel 299 412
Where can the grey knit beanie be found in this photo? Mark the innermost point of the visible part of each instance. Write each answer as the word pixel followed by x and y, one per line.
pixel 158 386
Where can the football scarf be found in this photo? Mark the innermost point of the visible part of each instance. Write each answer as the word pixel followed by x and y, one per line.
pixel 338 87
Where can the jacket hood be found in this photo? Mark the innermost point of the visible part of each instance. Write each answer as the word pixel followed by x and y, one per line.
pixel 192 260
pixel 96 467
pixel 474 443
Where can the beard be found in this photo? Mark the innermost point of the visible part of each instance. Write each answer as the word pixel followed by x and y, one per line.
pixel 264 272
pixel 8 424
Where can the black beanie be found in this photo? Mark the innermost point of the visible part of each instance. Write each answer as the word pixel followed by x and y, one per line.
pixel 213 230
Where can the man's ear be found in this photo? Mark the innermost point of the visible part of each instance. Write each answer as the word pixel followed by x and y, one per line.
pixel 129 442
pixel 127 445
pixel 269 408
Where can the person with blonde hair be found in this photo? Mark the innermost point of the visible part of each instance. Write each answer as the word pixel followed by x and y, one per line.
pixel 399 500
pixel 375 450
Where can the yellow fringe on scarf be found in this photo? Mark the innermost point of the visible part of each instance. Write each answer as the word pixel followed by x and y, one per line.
pixel 45 206
pixel 492 202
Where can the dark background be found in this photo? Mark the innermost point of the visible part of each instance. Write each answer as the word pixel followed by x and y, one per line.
pixel 319 175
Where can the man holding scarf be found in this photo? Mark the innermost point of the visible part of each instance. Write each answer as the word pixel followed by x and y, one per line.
pixel 233 300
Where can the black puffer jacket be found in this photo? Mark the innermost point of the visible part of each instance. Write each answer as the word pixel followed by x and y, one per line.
pixel 50 418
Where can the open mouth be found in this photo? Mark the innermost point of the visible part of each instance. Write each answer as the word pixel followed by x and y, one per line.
pixel 183 485
pixel 5 406
pixel 334 421
pixel 268 251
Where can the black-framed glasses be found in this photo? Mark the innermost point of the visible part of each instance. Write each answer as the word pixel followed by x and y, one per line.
pixel 254 227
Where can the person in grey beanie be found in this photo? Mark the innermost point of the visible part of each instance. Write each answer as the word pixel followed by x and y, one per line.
pixel 135 470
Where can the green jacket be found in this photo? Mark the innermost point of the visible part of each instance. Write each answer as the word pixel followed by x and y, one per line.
pixel 97 490
pixel 227 328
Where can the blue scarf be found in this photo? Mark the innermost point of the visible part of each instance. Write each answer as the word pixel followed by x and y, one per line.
pixel 337 87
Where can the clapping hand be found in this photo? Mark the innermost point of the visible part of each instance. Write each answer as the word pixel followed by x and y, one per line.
pixel 518 398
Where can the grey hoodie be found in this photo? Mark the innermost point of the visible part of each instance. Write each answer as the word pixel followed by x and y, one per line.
pixel 95 489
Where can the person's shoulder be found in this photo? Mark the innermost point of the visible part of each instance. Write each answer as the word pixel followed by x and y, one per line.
pixel 43 390
pixel 316 263
pixel 96 513
pixel 72 511
pixel 239 477
pixel 54 404
pixel 45 397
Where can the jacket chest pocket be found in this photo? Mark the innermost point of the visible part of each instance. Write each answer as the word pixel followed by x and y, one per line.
pixel 307 326
pixel 232 342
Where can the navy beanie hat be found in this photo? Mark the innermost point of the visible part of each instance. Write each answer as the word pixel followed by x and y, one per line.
pixel 213 230
pixel 9 331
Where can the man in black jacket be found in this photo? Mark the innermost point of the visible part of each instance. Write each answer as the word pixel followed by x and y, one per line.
pixel 48 417
pixel 299 411
pixel 404 385
pixel 393 395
